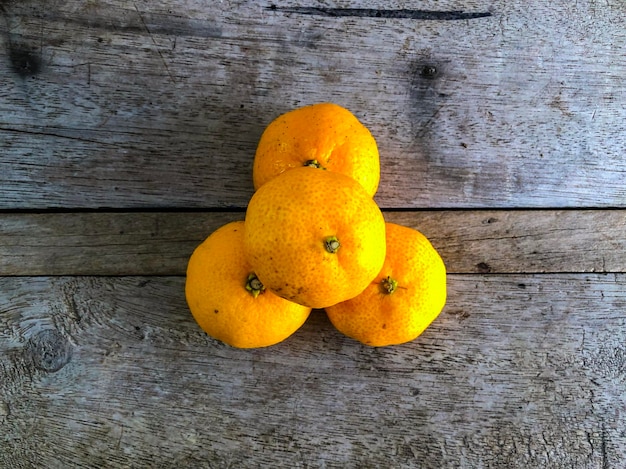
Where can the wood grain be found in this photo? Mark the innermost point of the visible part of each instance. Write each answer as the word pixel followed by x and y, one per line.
pixel 103 243
pixel 127 132
pixel 160 243
pixel 160 104
pixel 519 371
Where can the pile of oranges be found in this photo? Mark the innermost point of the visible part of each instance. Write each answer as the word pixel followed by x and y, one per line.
pixel 313 237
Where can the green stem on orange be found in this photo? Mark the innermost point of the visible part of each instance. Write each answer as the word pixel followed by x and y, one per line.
pixel 332 244
pixel 254 285
pixel 388 285
pixel 313 164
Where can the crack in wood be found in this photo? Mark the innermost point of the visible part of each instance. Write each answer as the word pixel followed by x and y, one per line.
pixel 57 135
pixel 432 15
pixel 145 25
pixel 603 447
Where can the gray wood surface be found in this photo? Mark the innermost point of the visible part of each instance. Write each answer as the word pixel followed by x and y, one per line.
pixel 161 104
pixel 160 243
pixel 127 131
pixel 114 371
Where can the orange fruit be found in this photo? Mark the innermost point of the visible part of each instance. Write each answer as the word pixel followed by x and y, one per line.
pixel 403 300
pixel 229 302
pixel 324 135
pixel 314 237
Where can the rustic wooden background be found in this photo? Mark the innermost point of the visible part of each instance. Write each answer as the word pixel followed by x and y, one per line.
pixel 127 130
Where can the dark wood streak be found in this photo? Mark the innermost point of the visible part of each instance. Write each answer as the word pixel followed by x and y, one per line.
pixel 24 59
pixel 377 13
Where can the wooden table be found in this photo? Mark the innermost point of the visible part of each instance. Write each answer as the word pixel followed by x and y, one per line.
pixel 127 132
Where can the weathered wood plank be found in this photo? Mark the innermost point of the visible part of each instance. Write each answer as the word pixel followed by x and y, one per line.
pixel 160 243
pixel 519 371
pixel 103 243
pixel 160 104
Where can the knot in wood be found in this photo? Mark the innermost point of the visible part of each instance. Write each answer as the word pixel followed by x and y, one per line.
pixel 49 350
pixel 429 71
